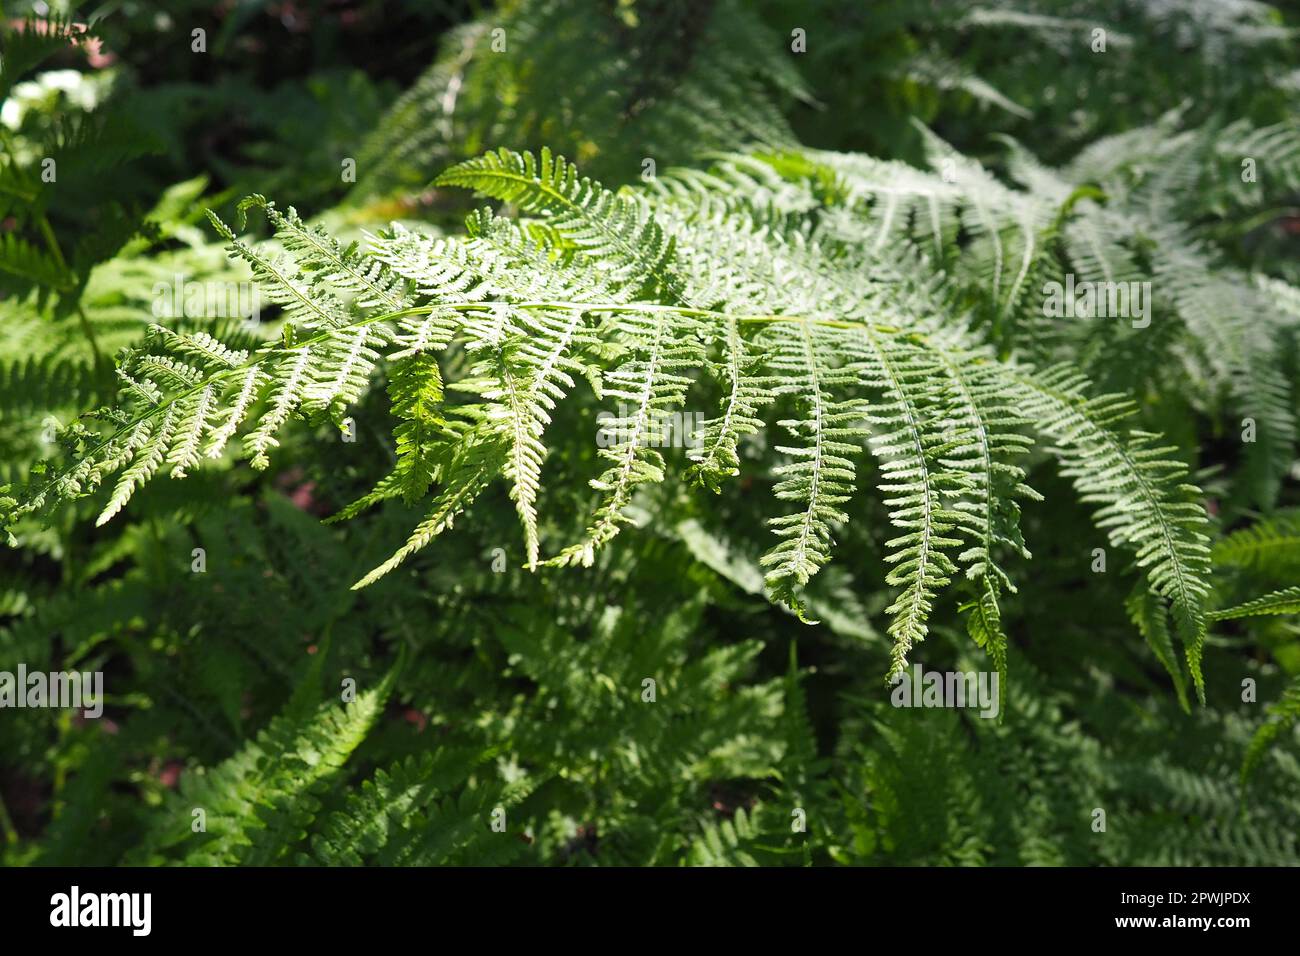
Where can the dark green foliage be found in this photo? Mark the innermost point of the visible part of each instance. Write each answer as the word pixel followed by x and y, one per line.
pixel 579 511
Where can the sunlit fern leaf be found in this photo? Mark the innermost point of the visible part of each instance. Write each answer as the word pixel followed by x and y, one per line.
pixel 144 449
pixel 534 373
pixel 819 476
pixel 614 228
pixel 470 469
pixel 1004 225
pixel 983 617
pixel 1225 313
pixel 198 346
pixel 348 270
pixel 646 297
pixel 650 385
pixel 888 200
pixel 1285 601
pixel 943 73
pixel 1144 503
pixel 747 389
pixel 914 438
pixel 1275 149
pixel 311 305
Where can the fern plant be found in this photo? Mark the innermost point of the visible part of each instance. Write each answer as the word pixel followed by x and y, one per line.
pixel 634 294
pixel 709 445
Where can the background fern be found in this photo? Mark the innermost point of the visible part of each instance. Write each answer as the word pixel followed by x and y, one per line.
pixel 814 326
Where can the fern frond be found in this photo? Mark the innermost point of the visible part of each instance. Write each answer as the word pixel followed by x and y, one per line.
pixel 1282 716
pixel 394 806
pixel 1144 503
pixel 636 294
pixel 747 390
pixel 469 470
pixel 308 303
pixel 364 278
pixel 255 802
pixel 1269 546
pixel 144 449
pixel 653 384
pixel 29 265
pixel 614 228
pixel 1285 601
pixel 819 476
pixel 36 41
pixel 1148 613
pixel 415 387
pixel 914 444
pixel 1226 314
pixel 984 626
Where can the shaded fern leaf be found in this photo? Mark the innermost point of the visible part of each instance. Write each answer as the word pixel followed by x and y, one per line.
pixel 257 803
pixel 1268 547
pixel 1282 716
